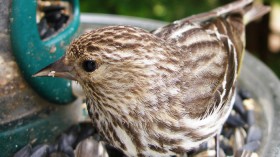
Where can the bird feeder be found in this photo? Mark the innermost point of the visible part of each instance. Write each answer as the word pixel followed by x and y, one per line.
pixel 40 32
pixel 30 39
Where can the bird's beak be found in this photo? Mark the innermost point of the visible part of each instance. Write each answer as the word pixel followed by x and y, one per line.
pixel 57 69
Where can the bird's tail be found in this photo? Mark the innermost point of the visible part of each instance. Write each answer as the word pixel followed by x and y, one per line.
pixel 255 12
pixel 249 10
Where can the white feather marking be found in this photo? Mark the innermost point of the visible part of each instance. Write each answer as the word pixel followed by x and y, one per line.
pixel 148 61
pixel 179 32
pixel 174 91
pixel 218 34
pixel 158 30
pixel 177 22
pixel 126 140
pixel 231 47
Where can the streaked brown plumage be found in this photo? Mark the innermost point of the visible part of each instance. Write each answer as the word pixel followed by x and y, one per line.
pixel 165 92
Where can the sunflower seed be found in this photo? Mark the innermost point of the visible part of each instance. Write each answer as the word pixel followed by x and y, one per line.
pixel 72 135
pixel 238 106
pixel 238 139
pixel 252 146
pixel 90 148
pixel 227 132
pixel 250 117
pixel 210 153
pixel 235 121
pixel 64 146
pixel 226 146
pixel 58 154
pixel 244 94
pixel 40 151
pixel 24 152
pixel 254 134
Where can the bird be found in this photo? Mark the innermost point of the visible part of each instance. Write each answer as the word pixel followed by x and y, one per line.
pixel 163 92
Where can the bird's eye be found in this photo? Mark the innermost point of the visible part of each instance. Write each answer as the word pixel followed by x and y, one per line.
pixel 89 65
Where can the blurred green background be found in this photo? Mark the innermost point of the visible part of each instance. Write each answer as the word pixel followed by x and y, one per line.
pixel 166 10
pixel 263 36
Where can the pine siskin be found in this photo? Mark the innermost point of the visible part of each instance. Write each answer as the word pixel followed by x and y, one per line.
pixel 164 92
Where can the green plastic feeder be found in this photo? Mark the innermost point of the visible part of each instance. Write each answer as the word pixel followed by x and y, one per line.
pixel 32 53
pixel 26 118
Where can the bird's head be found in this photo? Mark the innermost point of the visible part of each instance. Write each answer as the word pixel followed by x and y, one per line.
pixel 114 61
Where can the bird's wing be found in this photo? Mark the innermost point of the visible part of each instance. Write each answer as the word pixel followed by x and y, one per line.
pixel 212 45
pixel 211 64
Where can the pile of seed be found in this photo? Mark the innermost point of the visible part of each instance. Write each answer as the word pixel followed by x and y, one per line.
pixel 240 137
pixel 51 17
